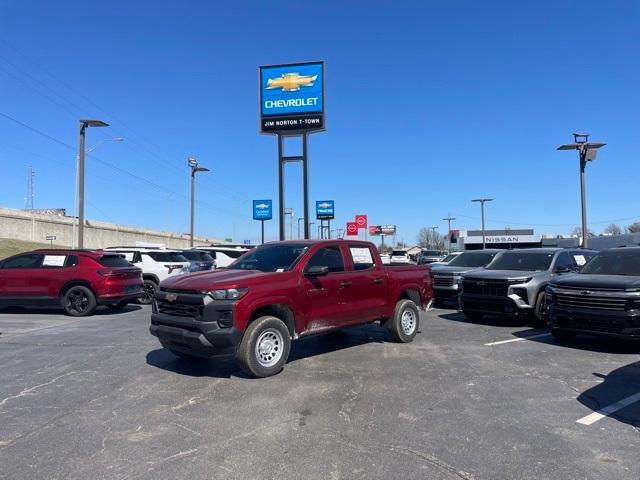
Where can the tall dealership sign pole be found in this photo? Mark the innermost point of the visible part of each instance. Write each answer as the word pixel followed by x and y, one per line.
pixel 482 202
pixel 292 105
pixel 586 152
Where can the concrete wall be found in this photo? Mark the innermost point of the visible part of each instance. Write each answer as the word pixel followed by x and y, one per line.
pixel 34 227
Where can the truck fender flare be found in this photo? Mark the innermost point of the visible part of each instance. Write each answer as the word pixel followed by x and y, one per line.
pixel 280 308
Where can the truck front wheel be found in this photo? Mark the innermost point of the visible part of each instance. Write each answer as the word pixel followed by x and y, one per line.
pixel 265 347
pixel 404 324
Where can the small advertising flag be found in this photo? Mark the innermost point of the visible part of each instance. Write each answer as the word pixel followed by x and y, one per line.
pixel 361 221
pixel 374 230
pixel 352 229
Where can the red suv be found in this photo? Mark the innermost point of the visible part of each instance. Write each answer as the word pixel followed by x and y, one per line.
pixel 78 280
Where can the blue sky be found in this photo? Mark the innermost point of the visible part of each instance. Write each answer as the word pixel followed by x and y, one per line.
pixel 429 104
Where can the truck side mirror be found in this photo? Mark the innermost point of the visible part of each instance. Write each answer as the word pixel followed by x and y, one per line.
pixel 317 271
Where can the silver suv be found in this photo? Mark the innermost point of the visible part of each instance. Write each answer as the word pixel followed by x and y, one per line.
pixel 446 277
pixel 514 282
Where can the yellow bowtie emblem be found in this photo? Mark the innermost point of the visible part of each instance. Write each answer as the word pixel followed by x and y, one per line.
pixel 291 82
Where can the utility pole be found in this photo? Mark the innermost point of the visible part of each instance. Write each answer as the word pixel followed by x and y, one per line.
pixel 482 202
pixel 449 219
pixel 301 218
pixel 586 152
pixel 30 192
pixel 431 242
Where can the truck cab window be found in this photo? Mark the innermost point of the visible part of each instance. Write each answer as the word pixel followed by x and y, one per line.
pixel 328 257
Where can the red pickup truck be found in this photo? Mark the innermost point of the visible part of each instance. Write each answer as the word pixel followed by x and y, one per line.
pixel 282 291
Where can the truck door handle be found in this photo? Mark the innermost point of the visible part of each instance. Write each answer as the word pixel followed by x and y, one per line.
pixel 378 281
pixel 345 284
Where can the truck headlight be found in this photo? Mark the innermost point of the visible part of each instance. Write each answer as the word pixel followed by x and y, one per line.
pixel 228 294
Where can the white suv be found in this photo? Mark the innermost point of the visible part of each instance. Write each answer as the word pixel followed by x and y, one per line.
pixel 225 255
pixel 156 264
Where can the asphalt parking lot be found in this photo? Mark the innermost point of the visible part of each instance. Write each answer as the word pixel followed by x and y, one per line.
pixel 97 398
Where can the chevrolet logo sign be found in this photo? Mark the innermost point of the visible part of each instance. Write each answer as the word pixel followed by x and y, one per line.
pixel 171 297
pixel 291 82
pixel 262 206
pixel 324 205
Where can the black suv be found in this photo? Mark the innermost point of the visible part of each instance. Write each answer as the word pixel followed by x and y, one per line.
pixel 603 299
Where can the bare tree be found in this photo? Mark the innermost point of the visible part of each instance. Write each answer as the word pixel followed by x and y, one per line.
pixel 634 228
pixel 577 232
pixel 429 238
pixel 613 229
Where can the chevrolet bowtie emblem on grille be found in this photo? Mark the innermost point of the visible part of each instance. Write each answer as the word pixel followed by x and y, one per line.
pixel 261 206
pixel 291 82
pixel 324 205
pixel 171 297
pixel 585 292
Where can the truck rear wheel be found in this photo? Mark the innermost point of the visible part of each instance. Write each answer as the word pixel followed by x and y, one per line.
pixel 264 348
pixel 403 327
pixel 537 316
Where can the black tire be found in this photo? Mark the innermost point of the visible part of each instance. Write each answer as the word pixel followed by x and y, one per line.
pixel 563 335
pixel 150 286
pixel 79 301
pixel 537 317
pixel 264 348
pixel 118 306
pixel 475 316
pixel 404 324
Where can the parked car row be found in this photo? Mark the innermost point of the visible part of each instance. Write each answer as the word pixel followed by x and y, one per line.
pixel 82 280
pixel 570 290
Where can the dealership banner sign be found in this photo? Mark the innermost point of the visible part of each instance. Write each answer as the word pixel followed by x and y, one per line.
pixel 262 209
pixel 325 209
pixel 352 229
pixel 292 97
pixel 387 229
pixel 374 230
pixel 361 221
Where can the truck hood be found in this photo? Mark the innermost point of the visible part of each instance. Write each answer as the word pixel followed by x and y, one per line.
pixel 448 270
pixel 484 274
pixel 211 280
pixel 605 282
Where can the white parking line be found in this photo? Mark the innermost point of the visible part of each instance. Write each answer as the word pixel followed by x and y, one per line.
pixel 606 411
pixel 520 339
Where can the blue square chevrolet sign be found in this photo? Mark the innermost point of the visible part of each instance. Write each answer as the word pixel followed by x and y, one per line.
pixel 292 97
pixel 262 209
pixel 325 209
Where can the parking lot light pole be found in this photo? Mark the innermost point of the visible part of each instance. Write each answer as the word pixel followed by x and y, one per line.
pixel 586 153
pixel 299 219
pixel 81 153
pixel 482 201
pixel 431 238
pixel 193 163
pixel 311 223
pixel 449 219
pixel 289 211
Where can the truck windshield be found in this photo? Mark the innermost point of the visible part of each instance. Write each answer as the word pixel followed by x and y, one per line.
pixel 521 261
pixel 398 253
pixel 472 259
pixel 614 263
pixel 270 258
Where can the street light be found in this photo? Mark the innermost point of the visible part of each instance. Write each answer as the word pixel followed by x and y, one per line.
pixel 482 201
pixel 75 203
pixel 81 153
pixel 311 234
pixel 431 237
pixel 449 219
pixel 301 218
pixel 586 152
pixel 289 211
pixel 193 163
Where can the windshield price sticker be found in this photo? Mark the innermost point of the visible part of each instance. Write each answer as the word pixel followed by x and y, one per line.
pixel 53 260
pixel 361 255
pixel 580 260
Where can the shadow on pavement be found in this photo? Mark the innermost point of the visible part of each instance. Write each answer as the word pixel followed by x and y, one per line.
pixel 489 320
pixel 226 367
pixel 592 343
pixel 618 385
pixel 101 311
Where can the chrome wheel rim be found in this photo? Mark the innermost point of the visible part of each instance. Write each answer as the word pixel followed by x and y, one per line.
pixel 269 347
pixel 408 322
pixel 77 301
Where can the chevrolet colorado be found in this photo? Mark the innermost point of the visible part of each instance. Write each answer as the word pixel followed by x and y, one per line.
pixel 282 291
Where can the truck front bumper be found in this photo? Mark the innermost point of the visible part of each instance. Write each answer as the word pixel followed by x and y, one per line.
pixel 194 324
pixel 622 324
pixel 510 305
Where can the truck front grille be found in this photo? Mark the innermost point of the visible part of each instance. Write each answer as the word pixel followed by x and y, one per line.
pixel 485 288
pixel 590 301
pixel 443 280
pixel 179 309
